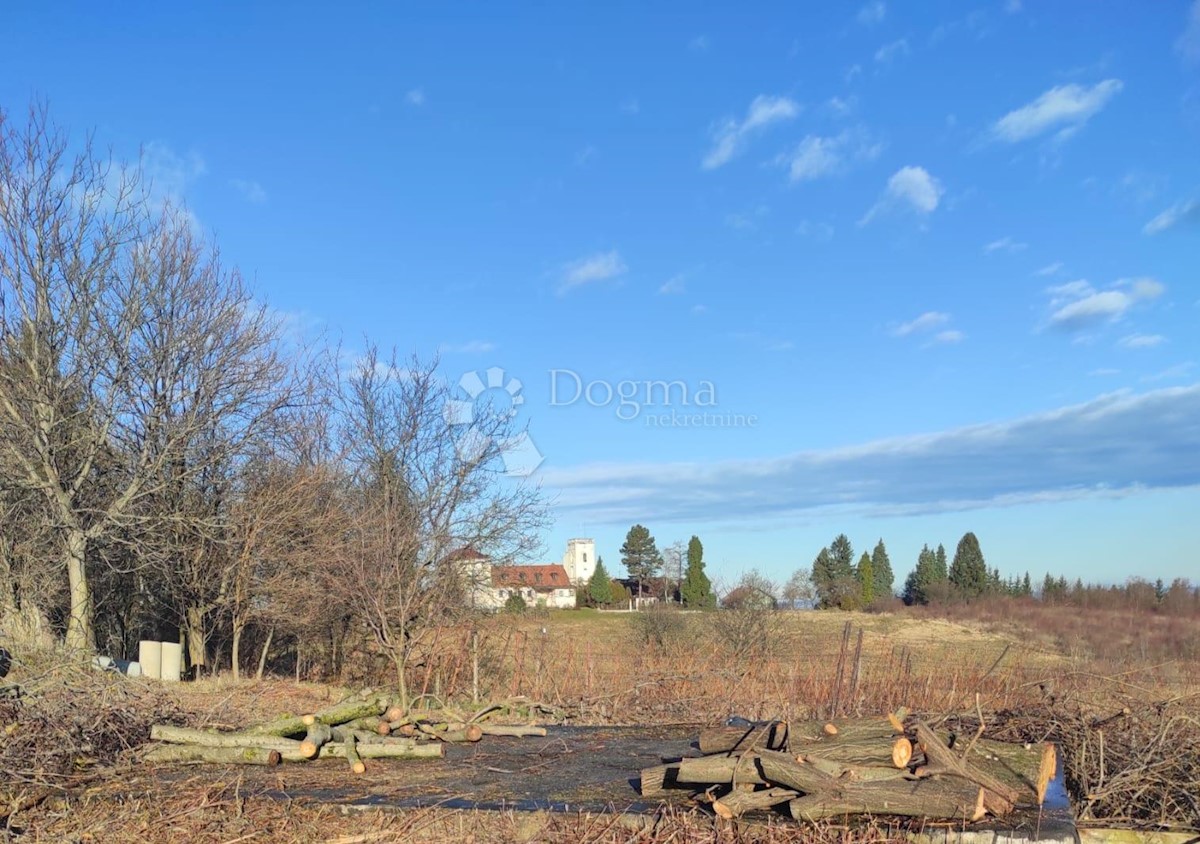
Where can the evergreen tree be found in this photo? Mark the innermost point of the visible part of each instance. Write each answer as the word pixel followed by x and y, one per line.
pixel 823 577
pixel 866 579
pixel 917 585
pixel 940 573
pixel 1026 586
pixel 696 590
pixel 842 553
pixel 640 555
pixel 969 572
pixel 599 590
pixel 885 580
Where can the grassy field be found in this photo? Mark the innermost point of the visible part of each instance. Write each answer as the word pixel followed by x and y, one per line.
pixel 1032 672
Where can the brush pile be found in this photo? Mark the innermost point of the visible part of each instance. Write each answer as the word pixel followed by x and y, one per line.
pixel 365 726
pixel 855 767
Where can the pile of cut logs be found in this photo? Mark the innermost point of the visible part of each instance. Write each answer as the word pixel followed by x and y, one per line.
pixel 367 726
pixel 855 767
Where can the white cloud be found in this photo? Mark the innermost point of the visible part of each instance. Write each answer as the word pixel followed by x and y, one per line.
pixel 169 173
pixel 251 191
pixel 951 336
pixel 471 347
pixel 698 44
pixel 815 230
pixel 599 267
pixel 890 52
pixel 1006 244
pixel 631 106
pixel 731 136
pixel 1188 44
pixel 1012 6
pixel 816 157
pixel 925 322
pixel 872 13
pixel 1073 452
pixel 1050 269
pixel 1064 107
pixel 1142 341
pixel 697 310
pixel 911 186
pixel 1077 305
pixel 1179 213
pixel 415 97
pixel 672 286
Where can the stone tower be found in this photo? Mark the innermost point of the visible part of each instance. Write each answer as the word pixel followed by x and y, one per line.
pixel 580 560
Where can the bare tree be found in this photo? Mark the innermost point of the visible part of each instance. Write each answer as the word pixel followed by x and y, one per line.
pixel 424 485
pixel 143 362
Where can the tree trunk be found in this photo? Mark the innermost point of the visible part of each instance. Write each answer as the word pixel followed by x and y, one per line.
pixel 210 738
pixel 192 753
pixel 197 638
pixel 737 803
pixel 81 635
pixel 262 657
pixel 339 713
pixel 401 682
pixel 235 650
pixel 709 770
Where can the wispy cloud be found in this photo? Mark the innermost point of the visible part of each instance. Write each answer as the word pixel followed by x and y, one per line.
pixel 1188 44
pixel 699 44
pixel 1064 107
pixel 1116 444
pixel 815 230
pixel 816 157
pixel 1181 213
pixel 925 322
pixel 1077 305
pixel 415 97
pixel 1050 269
pixel 1004 244
pixel 872 13
pixel 251 191
pixel 672 286
pixel 471 347
pixel 594 268
pixel 888 53
pixel 1142 341
pixel 730 136
pixel 949 337
pixel 911 187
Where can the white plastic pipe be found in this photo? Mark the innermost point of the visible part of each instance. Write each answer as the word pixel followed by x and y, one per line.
pixel 150 657
pixel 172 661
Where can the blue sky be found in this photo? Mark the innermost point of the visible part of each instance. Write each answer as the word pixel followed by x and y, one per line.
pixel 937 261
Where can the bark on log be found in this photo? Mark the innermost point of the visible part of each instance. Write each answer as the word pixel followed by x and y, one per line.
pixel 318 734
pixel 854 773
pixel 356 762
pixel 514 731
pixel 656 781
pixel 339 713
pixel 826 796
pixel 772 736
pixel 998 797
pixel 710 770
pixel 415 750
pixel 194 753
pixel 737 803
pixel 210 738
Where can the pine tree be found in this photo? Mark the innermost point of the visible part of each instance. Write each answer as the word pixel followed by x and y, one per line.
pixel 885 580
pixel 866 579
pixel 696 590
pixel 640 555
pixel 925 575
pixel 940 573
pixel 1026 586
pixel 842 553
pixel 599 588
pixel 969 572
pixel 823 577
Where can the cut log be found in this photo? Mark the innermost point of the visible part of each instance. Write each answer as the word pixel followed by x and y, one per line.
pixel 656 781
pixel 318 734
pixel 737 803
pixel 719 770
pixel 194 753
pixel 865 743
pixel 210 738
pixel 826 796
pixel 356 762
pixel 514 731
pixel 394 713
pixel 772 736
pixel 998 797
pixel 308 720
pixel 901 752
pixel 391 750
pixel 853 773
pixel 339 713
